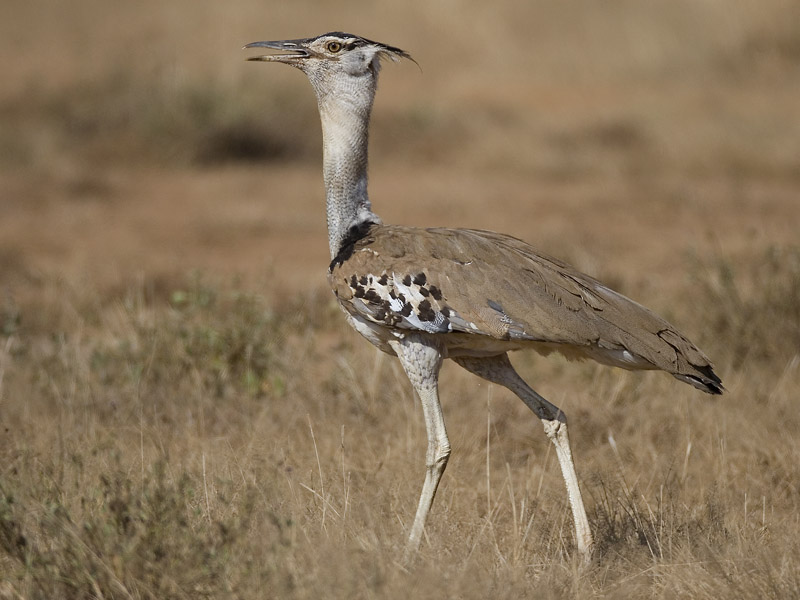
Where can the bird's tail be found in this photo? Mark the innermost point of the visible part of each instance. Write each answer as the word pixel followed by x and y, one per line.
pixel 703 379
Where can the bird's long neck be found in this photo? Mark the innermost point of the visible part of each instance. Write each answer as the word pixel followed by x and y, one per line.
pixel 345 134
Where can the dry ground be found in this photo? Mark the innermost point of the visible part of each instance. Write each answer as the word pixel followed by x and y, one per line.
pixel 184 412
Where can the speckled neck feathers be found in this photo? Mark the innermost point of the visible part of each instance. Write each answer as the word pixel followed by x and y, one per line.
pixel 345 106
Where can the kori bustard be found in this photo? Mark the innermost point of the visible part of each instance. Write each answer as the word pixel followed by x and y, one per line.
pixel 425 295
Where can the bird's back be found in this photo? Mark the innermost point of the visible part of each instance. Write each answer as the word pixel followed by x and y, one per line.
pixel 491 291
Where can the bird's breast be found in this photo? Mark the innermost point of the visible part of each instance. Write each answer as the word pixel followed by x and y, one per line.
pixel 399 301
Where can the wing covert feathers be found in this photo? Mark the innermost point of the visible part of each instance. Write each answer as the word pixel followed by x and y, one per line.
pixel 489 284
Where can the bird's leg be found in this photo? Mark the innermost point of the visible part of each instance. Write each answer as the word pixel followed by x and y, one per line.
pixel 498 369
pixel 421 360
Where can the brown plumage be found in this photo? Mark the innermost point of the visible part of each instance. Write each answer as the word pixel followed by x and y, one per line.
pixel 491 285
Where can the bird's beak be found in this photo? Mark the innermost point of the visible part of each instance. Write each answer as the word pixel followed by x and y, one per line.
pixel 293 48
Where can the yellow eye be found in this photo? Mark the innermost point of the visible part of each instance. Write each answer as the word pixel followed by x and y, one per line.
pixel 333 47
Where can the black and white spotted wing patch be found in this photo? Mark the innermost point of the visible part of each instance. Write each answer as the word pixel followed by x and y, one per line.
pixel 405 301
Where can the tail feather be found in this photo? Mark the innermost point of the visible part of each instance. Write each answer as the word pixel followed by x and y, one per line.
pixel 704 379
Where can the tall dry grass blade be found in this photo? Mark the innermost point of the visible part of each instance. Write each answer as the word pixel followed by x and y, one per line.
pixel 205 489
pixel 319 469
pixel 488 448
pixel 686 456
pixel 345 480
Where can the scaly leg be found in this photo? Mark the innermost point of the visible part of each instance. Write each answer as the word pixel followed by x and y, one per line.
pixel 421 360
pixel 498 369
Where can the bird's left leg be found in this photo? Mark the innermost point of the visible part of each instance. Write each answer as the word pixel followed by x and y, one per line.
pixel 498 369
pixel 421 359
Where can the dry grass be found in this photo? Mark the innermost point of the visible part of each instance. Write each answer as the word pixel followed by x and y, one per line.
pixel 184 412
pixel 165 444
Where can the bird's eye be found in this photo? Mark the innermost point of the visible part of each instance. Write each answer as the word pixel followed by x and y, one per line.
pixel 333 47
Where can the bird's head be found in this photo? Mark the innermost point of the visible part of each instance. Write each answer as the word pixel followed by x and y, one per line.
pixel 330 57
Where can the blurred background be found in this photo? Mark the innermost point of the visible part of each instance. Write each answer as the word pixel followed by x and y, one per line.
pixel 183 411
pixel 136 141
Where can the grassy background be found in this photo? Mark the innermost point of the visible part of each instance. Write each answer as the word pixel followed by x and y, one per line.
pixel 184 412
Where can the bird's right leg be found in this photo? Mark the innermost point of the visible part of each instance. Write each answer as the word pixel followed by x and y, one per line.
pixel 498 369
pixel 421 360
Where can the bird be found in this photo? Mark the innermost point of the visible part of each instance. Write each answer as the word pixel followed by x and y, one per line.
pixel 426 295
